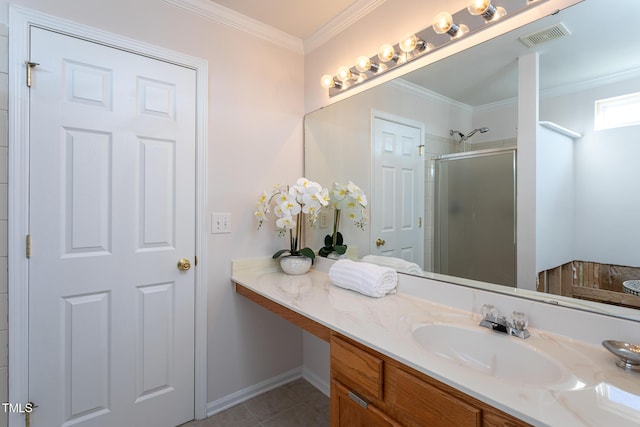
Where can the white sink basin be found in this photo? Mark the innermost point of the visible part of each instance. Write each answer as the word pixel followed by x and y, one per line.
pixel 491 353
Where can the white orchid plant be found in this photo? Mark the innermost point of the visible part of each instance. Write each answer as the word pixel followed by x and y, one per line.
pixel 289 204
pixel 347 198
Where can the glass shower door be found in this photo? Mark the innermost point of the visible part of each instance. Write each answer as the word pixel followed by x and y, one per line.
pixel 475 216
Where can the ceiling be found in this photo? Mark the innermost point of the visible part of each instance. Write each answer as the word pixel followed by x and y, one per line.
pixel 299 18
pixel 489 72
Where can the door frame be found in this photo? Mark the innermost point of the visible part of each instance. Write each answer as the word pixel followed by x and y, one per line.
pixel 20 21
pixel 390 117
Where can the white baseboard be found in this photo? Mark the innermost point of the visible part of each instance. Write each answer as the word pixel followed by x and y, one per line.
pixel 253 391
pixel 316 381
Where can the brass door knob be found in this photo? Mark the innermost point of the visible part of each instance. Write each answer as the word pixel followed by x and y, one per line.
pixel 184 264
pixel 380 242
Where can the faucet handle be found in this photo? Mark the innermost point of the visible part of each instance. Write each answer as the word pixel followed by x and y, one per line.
pixel 489 310
pixel 519 320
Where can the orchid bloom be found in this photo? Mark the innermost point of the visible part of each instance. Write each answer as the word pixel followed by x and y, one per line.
pixel 287 203
pixel 349 197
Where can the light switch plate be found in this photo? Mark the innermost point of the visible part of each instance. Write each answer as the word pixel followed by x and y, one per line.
pixel 324 220
pixel 220 222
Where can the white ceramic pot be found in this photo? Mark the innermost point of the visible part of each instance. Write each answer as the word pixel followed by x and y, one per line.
pixel 295 264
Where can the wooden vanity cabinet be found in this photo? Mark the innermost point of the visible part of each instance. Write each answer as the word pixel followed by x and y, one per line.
pixel 370 389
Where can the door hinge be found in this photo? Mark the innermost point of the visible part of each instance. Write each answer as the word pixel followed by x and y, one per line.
pixel 28 246
pixel 420 147
pixel 419 222
pixel 30 66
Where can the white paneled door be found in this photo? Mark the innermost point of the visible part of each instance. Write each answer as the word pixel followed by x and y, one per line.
pixel 398 202
pixel 112 211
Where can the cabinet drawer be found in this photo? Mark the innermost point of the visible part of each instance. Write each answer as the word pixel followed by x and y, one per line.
pixel 421 404
pixel 349 412
pixel 357 369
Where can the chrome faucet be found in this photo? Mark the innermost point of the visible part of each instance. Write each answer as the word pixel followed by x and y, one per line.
pixel 516 326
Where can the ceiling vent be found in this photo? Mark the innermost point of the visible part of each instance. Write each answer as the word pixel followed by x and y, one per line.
pixel 546 35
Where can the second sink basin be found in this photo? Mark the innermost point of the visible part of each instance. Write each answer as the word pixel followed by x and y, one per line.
pixel 491 353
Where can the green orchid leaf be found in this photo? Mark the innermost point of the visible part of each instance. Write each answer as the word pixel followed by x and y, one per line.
pixel 328 241
pixel 325 251
pixel 340 249
pixel 308 252
pixel 339 239
pixel 280 252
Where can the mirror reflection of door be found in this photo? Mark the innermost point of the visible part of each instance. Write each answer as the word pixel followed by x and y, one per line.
pixel 397 204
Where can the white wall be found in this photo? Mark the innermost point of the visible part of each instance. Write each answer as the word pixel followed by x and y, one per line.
pixel 606 165
pixel 255 139
pixel 501 118
pixel 555 199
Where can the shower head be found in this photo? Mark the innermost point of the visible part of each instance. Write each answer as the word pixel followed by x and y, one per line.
pixel 473 132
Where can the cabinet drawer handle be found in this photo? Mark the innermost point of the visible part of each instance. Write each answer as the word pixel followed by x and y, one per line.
pixel 360 401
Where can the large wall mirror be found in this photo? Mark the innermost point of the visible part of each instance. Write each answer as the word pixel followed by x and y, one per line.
pixel 440 155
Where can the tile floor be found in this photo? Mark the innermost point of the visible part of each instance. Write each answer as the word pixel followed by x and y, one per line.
pixel 296 404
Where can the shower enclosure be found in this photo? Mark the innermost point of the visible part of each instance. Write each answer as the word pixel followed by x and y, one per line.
pixel 475 216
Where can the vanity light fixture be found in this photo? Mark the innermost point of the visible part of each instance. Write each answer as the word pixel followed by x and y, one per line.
pixel 443 24
pixel 445 29
pixel 486 9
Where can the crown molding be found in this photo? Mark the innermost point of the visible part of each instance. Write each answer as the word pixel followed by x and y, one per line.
pixel 356 11
pixel 496 104
pixel 231 18
pixel 607 79
pixel 223 15
pixel 429 94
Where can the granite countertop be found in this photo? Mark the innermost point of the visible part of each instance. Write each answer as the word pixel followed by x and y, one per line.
pixel 587 389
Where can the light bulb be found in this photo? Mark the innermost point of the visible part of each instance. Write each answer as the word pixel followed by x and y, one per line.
pixel 442 22
pixel 408 43
pixel 387 53
pixel 364 64
pixel 484 7
pixel 343 74
pixel 478 7
pixel 327 81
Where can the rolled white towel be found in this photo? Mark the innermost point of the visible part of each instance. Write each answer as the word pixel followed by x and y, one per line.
pixel 398 264
pixel 368 279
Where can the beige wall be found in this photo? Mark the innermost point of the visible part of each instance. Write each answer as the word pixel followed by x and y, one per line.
pixel 255 134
